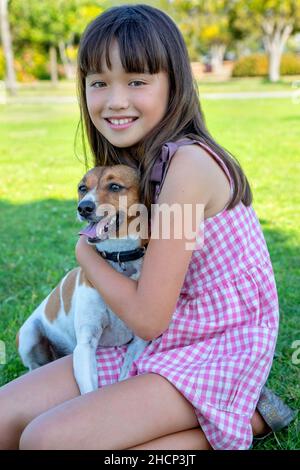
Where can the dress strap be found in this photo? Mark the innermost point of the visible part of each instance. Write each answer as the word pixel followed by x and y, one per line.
pixel 169 149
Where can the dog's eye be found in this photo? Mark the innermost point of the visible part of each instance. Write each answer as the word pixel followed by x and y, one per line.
pixel 115 187
pixel 82 188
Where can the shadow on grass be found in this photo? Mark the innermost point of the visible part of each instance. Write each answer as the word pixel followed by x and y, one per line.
pixel 37 242
pixel 37 248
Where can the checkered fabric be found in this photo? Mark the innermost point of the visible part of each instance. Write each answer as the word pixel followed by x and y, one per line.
pixel 219 346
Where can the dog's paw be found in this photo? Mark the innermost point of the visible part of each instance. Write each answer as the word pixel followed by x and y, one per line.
pixel 85 369
pixel 86 388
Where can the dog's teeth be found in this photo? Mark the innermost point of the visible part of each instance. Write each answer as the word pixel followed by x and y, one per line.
pixel 112 220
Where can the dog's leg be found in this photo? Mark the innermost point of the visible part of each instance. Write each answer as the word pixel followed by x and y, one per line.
pixel 90 320
pixel 34 348
pixel 84 358
pixel 134 350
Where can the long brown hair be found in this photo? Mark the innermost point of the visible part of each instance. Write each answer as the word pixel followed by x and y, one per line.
pixel 148 39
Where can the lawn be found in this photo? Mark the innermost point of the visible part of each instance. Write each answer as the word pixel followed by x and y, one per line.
pixel 253 84
pixel 39 172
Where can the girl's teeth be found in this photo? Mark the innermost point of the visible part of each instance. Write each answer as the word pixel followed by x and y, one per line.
pixel 119 122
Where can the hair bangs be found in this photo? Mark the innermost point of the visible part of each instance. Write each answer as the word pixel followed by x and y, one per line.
pixel 91 53
pixel 136 55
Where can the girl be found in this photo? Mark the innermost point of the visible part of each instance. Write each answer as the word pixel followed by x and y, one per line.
pixel 211 314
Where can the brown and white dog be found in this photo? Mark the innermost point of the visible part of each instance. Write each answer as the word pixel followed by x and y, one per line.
pixel 74 318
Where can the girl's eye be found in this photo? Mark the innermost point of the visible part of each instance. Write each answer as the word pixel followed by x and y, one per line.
pixel 97 84
pixel 137 82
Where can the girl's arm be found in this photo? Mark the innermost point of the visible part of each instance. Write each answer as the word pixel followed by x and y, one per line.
pixel 147 305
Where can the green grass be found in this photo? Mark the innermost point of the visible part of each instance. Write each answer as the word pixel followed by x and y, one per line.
pixel 247 85
pixel 39 172
pixel 45 88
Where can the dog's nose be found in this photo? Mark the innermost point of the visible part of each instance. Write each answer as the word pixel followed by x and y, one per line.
pixel 86 208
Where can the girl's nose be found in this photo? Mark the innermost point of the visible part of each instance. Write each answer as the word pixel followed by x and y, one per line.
pixel 118 98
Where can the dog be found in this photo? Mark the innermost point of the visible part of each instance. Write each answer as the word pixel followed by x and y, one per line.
pixel 73 318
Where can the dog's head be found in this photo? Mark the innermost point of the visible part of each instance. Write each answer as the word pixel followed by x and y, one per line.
pixel 105 195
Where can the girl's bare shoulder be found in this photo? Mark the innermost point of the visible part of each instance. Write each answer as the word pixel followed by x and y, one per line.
pixel 200 165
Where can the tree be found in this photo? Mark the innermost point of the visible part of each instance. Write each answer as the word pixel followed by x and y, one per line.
pixel 51 26
pixel 205 27
pixel 78 18
pixel 274 22
pixel 7 47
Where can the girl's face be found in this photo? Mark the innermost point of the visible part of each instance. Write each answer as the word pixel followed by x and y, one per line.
pixel 125 107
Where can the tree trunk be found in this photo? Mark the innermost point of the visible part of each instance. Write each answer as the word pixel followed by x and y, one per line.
pixel 274 65
pixel 276 34
pixel 68 66
pixel 10 80
pixel 53 66
pixel 217 56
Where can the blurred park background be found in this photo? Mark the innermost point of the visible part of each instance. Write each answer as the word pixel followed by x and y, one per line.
pixel 229 38
pixel 246 60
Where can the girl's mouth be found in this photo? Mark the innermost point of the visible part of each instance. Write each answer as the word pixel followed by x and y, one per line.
pixel 123 123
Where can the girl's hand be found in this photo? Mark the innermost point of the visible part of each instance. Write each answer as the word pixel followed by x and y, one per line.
pixel 83 250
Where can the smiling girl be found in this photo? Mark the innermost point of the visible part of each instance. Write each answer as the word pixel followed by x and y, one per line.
pixel 210 314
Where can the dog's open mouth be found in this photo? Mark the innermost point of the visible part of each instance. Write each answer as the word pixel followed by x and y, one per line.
pixel 101 230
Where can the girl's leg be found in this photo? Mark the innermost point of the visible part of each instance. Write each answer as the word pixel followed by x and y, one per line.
pixel 118 416
pixel 31 395
pixel 25 398
pixel 194 439
pixel 259 426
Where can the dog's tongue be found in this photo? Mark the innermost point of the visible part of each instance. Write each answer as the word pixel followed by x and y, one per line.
pixel 90 230
pixel 95 230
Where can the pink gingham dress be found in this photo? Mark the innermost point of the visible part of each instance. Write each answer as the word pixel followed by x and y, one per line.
pixel 219 346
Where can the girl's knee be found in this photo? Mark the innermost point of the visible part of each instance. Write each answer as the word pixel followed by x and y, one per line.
pixel 37 436
pixel 29 438
pixel 11 423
